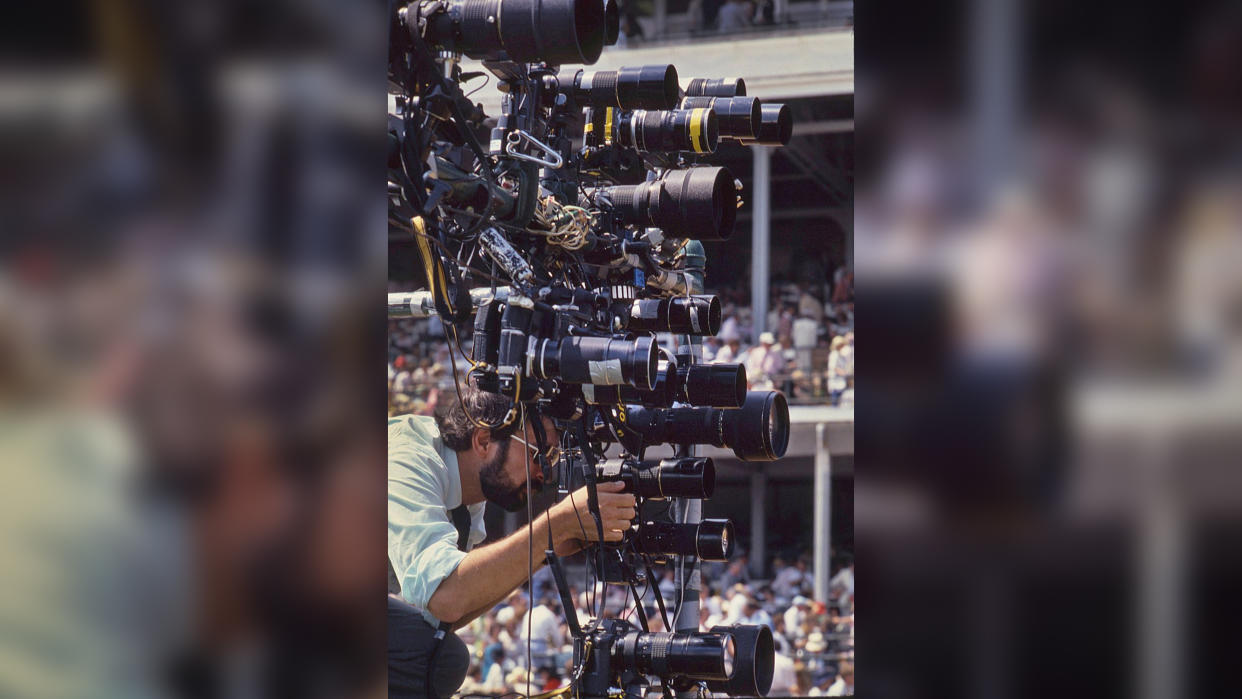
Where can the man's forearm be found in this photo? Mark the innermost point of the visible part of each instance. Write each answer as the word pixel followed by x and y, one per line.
pixel 489 573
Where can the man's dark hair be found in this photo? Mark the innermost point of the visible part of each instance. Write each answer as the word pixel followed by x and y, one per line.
pixel 456 428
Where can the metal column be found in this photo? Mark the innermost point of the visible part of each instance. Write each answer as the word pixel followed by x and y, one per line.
pixel 761 239
pixel 823 512
pixel 758 520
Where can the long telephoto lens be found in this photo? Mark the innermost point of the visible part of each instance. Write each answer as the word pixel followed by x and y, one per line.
pixel 716 87
pixel 753 661
pixel 714 385
pixel 775 126
pixel 524 31
pixel 596 360
pixel 633 87
pixel 682 315
pixel 699 203
pixel 758 431
pixel 663 131
pixel 739 117
pixel 695 655
pixel 709 540
pixel 688 477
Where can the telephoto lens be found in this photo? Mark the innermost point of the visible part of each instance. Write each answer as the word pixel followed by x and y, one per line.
pixel 753 663
pixel 681 315
pixel 739 117
pixel 775 126
pixel 595 360
pixel 716 87
pixel 699 203
pixel 688 477
pixel 758 431
pixel 523 31
pixel 634 87
pixel 694 655
pixel 709 540
pixel 714 385
pixel 660 131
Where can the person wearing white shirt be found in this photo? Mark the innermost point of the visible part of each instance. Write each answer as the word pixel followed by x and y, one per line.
pixel 844 684
pixel 545 632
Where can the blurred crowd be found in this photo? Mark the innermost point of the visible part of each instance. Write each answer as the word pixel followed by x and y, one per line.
pixel 814 639
pixel 808 353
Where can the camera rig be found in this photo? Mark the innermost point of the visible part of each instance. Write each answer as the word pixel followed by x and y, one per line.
pixel 565 234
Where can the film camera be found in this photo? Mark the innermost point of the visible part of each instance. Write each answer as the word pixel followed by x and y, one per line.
pixel 560 240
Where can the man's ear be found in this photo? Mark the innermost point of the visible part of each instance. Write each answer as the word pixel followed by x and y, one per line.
pixel 481 440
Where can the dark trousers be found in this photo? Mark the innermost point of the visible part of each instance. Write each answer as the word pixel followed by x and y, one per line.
pixel 410 641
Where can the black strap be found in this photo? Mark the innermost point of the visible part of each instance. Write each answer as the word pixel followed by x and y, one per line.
pixel 461 520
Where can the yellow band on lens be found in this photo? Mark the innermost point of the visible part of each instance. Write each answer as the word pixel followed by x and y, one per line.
pixel 697 119
pixel 608 125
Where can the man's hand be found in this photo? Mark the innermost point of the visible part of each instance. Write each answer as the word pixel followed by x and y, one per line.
pixel 573 526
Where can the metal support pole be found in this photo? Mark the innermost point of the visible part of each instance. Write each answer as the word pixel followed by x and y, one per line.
pixel 758 520
pixel 823 512
pixel 996 46
pixel 761 239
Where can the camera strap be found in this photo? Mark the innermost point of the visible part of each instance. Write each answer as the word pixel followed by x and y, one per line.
pixel 461 521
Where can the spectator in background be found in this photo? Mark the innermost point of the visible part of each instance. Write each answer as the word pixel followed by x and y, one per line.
pixel 841 587
pixel 545 631
pixel 844 684
pixel 809 306
pixel 756 360
pixel 734 16
pixel 837 370
pixel 728 354
pixel 805 336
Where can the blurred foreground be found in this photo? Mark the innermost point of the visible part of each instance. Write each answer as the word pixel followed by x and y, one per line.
pixel 1048 242
pixel 193 256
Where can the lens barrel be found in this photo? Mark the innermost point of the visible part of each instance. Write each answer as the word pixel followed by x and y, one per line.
pixel 709 540
pixel 775 126
pixel 690 477
pixel 716 87
pixel 632 87
pixel 758 431
pixel 695 655
pixel 715 385
pixel 682 315
pixel 524 31
pixel 664 131
pixel 699 203
pixel 753 662
pixel 738 117
pixel 596 360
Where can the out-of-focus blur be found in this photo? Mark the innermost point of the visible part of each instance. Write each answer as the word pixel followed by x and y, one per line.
pixel 1048 240
pixel 190 285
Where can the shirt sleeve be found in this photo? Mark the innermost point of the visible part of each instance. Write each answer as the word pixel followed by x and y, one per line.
pixel 422 541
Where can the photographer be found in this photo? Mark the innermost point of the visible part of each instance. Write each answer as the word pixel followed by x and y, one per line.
pixel 440 472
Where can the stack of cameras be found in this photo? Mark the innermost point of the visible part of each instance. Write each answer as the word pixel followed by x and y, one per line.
pixel 564 234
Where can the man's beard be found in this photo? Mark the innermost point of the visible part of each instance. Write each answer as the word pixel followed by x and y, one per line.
pixel 496 484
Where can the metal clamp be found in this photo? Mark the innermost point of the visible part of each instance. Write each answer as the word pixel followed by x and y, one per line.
pixel 515 138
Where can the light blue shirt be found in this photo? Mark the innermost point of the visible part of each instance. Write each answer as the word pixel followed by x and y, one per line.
pixel 424 485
